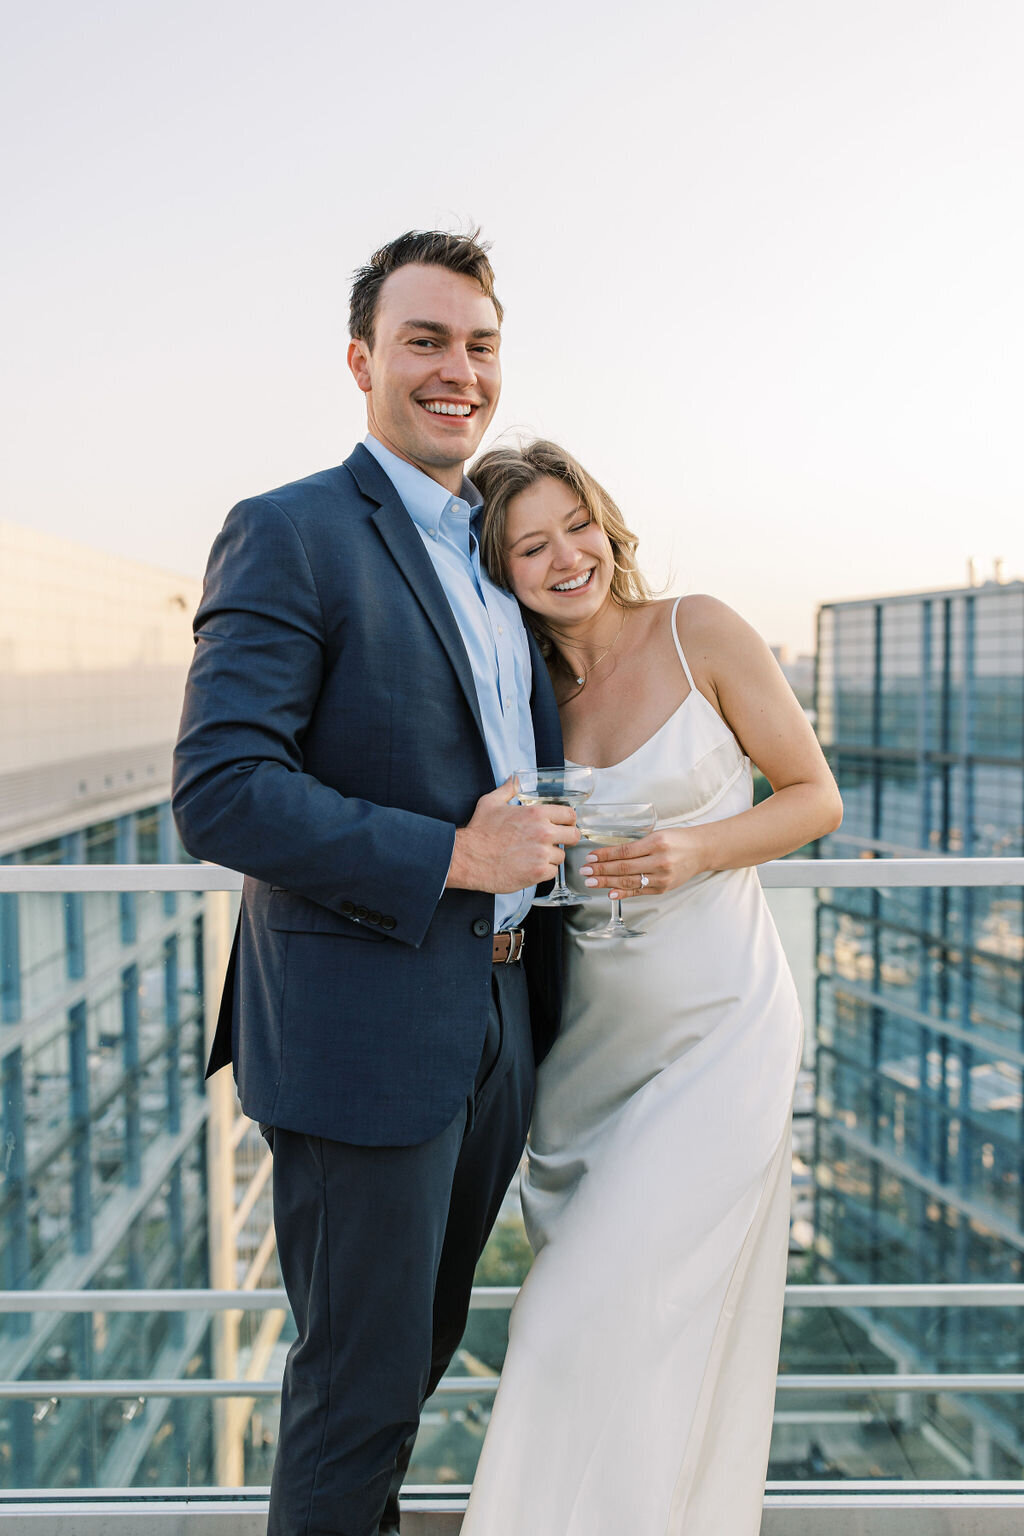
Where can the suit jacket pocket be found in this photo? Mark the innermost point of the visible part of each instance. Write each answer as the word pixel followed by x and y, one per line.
pixel 297 914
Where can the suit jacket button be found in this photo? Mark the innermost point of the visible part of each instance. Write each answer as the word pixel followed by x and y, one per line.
pixel 373 917
pixel 481 927
pixel 361 912
pixel 388 923
pixel 348 907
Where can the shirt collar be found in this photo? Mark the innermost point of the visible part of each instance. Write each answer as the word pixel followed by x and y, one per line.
pixel 425 501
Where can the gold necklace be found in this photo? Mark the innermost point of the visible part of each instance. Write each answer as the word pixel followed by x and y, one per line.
pixel 606 652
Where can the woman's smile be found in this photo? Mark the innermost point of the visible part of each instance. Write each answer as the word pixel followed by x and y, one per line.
pixel 574 583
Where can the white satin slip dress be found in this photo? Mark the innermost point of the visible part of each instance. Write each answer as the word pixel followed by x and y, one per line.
pixel 637 1394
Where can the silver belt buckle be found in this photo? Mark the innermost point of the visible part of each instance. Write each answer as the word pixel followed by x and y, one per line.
pixel 516 945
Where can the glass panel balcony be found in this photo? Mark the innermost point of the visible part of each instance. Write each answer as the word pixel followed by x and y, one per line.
pixel 143 1327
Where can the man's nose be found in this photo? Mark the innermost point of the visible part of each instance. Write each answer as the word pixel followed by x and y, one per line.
pixel 458 367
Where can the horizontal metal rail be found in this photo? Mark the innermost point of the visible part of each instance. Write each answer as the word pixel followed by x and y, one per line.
pixel 436 1493
pixel 496 1298
pixel 932 1294
pixel 882 1381
pixel 965 1511
pixel 855 1507
pixel 780 874
pixel 491 1298
pixel 847 1383
pixel 454 1495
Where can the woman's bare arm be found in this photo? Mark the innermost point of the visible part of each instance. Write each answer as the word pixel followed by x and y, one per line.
pixel 734 668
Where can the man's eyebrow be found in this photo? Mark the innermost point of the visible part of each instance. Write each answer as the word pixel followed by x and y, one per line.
pixel 435 328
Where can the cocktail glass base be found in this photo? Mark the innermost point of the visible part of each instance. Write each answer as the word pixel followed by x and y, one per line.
pixel 557 898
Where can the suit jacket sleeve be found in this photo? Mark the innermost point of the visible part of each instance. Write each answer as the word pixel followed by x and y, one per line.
pixel 240 795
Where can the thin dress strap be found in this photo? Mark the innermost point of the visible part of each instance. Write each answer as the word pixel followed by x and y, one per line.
pixel 679 649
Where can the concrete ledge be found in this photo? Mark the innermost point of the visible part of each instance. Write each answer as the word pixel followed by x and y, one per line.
pixel 851 1512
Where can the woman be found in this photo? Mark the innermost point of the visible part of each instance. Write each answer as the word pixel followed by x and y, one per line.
pixel 638 1388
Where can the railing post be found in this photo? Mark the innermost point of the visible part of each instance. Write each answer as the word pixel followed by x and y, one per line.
pixel 229 1448
pixel 127 853
pixel 172 1020
pixel 10 955
pixel 15 1247
pixel 167 846
pixel 81 1151
pixel 73 852
pixel 132 1111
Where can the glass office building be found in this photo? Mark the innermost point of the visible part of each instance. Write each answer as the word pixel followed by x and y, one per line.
pixel 108 1135
pixel 920 993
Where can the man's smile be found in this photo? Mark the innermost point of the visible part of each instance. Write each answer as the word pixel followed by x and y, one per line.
pixel 462 408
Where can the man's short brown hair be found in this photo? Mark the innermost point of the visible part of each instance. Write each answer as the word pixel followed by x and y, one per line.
pixel 464 254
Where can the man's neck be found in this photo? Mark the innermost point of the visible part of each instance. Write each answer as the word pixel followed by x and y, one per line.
pixel 449 477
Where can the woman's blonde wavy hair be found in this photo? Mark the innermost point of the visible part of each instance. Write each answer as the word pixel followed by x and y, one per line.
pixel 503 473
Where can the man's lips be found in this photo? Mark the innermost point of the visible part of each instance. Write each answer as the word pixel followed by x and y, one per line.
pixel 450 410
pixel 575 583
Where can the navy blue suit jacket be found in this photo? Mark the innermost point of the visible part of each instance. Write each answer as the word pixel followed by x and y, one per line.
pixel 330 744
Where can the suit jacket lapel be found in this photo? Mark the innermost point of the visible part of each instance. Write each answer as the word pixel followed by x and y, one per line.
pixel 400 534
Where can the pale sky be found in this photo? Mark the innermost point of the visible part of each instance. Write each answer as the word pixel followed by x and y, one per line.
pixel 761 263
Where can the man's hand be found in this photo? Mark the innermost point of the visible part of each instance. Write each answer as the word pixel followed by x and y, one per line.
pixel 507 847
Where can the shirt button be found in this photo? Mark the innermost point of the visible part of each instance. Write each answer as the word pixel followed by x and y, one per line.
pixel 508 701
pixel 433 533
pixel 501 629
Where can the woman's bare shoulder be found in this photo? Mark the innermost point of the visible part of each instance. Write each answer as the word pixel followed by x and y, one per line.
pixel 707 620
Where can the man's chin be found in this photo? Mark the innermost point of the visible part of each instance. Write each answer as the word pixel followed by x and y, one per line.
pixel 449 455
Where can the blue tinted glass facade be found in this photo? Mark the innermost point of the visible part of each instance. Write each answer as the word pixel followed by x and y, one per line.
pixel 104 1182
pixel 920 993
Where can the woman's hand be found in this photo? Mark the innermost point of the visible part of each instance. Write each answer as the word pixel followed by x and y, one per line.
pixel 668 857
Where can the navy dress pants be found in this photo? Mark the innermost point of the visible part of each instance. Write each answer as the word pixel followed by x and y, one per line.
pixel 377 1247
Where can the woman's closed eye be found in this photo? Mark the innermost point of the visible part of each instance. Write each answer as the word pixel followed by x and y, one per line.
pixel 580 527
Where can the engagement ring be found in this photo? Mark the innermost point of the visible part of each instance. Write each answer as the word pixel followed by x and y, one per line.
pixel 644 882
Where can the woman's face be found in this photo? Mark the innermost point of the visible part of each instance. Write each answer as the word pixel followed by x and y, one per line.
pixel 560 562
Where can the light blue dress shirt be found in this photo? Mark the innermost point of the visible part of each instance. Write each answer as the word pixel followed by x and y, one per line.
pixel 489 621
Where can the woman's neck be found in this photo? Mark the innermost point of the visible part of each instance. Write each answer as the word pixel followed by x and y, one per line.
pixel 583 649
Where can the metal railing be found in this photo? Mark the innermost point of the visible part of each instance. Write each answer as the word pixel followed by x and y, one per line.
pixel 798 1297
pixel 779 874
pixel 846 1509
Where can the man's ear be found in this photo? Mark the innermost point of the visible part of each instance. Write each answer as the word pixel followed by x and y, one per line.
pixel 359 362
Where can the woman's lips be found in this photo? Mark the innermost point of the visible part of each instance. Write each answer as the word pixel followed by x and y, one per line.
pixel 574 583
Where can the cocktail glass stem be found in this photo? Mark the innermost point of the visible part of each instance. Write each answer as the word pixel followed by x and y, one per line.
pixel 560 895
pixel 611 825
pixel 561 890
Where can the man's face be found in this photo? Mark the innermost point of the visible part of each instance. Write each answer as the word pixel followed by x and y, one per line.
pixel 433 377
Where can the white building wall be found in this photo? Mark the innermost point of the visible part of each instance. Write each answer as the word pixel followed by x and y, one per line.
pixel 93 654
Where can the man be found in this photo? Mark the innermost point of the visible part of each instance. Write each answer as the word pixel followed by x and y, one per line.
pixel 359 690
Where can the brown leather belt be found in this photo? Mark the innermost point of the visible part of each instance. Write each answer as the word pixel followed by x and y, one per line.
pixel 508 946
